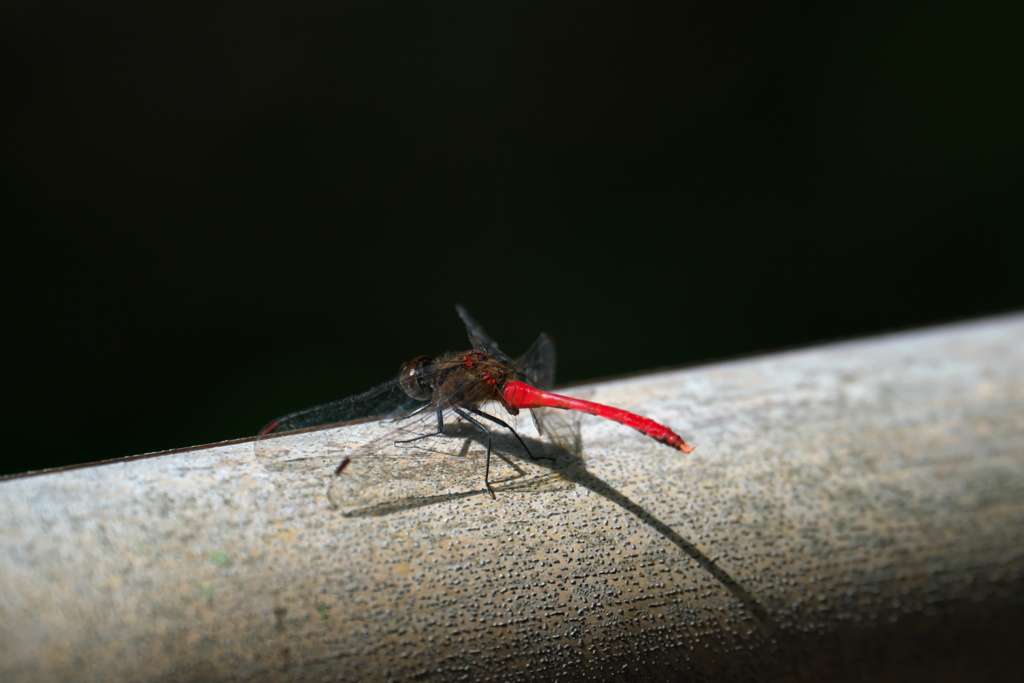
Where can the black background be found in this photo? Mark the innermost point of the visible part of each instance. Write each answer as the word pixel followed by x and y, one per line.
pixel 215 214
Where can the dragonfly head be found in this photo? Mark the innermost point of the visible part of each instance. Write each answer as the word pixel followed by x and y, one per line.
pixel 413 379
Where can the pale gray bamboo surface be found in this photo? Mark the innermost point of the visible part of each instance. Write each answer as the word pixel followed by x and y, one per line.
pixel 850 511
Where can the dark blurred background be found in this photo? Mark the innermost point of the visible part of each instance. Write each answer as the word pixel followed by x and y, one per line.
pixel 214 214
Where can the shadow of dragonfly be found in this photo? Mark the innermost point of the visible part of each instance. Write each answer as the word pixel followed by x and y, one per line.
pixel 387 477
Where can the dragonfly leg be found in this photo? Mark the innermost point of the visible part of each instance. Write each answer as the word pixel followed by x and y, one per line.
pixel 487 466
pixel 506 426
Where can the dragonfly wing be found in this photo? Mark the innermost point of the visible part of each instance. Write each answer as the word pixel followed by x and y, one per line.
pixel 406 461
pixel 410 465
pixel 477 337
pixel 319 452
pixel 310 455
pixel 538 364
pixel 562 427
pixel 396 464
pixel 385 400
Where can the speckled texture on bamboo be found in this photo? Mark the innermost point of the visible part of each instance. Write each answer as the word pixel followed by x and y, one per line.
pixel 850 510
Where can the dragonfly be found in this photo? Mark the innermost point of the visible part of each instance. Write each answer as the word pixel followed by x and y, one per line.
pixel 429 393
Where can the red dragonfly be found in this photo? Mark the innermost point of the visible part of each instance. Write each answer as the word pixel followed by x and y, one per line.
pixel 428 389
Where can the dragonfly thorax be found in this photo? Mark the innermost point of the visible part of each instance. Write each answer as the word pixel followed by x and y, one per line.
pixel 462 379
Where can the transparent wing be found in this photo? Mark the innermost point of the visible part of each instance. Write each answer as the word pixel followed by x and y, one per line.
pixel 390 473
pixel 400 463
pixel 385 400
pixel 538 364
pixel 562 427
pixel 478 338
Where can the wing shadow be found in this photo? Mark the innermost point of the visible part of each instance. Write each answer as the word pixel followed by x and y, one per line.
pixel 565 461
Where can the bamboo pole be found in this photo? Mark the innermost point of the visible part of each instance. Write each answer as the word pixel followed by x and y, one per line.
pixel 851 510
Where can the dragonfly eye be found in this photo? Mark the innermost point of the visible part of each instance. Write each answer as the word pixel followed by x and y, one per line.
pixel 414 381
